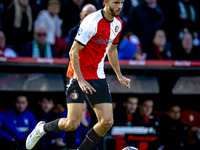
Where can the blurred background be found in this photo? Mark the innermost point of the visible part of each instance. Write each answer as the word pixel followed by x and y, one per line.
pixel 159 50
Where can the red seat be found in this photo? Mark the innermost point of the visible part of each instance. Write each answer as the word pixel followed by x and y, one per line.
pixel 159 113
pixel 120 142
pixel 191 117
pixel 2 109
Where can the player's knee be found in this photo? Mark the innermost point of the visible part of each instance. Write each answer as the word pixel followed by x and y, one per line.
pixel 107 123
pixel 73 125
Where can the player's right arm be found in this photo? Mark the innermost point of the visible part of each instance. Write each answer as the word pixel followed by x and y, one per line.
pixel 84 34
pixel 84 85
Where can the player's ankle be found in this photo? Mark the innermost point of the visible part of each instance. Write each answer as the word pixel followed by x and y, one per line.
pixel 52 126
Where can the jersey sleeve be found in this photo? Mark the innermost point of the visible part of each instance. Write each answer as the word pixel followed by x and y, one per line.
pixel 116 40
pixel 85 32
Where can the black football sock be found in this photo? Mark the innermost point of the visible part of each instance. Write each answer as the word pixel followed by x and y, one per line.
pixel 91 139
pixel 52 126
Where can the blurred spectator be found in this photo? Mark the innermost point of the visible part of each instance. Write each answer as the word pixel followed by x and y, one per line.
pixel 50 20
pixel 87 9
pixel 57 109
pixel 74 138
pixel 98 4
pixel 38 47
pixel 130 48
pixel 159 49
pixel 37 6
pixel 186 50
pixel 183 17
pixel 175 135
pixel 128 5
pixel 9 136
pixel 17 23
pixel 145 28
pixel 171 131
pixel 5 51
pixel 49 140
pixel 44 111
pixel 70 13
pixel 20 117
pixel 126 117
pixel 144 115
pixel 166 5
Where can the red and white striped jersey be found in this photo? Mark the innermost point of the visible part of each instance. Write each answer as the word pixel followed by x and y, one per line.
pixel 96 33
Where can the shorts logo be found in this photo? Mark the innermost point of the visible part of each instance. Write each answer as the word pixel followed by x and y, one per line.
pixel 80 31
pixel 116 28
pixel 75 95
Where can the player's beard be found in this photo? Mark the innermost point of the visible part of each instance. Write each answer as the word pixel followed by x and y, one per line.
pixel 113 12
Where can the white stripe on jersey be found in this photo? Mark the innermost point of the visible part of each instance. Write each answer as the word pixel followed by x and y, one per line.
pixel 113 34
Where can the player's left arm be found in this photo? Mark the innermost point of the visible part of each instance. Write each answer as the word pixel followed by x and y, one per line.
pixel 113 59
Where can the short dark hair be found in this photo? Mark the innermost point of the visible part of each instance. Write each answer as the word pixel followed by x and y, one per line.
pixel 144 100
pixel 172 104
pixel 48 97
pixel 54 2
pixel 103 2
pixel 157 30
pixel 19 94
pixel 131 97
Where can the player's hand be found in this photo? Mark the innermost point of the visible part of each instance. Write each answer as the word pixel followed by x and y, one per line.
pixel 86 87
pixel 125 81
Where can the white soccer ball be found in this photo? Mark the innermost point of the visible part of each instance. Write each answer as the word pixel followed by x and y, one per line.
pixel 130 148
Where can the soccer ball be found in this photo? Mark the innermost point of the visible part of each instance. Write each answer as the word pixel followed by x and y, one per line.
pixel 130 148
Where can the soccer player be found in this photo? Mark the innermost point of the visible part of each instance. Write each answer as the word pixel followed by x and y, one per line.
pixel 98 34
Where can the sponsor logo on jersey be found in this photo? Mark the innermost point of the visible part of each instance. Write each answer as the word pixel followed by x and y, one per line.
pixel 74 95
pixel 102 41
pixel 80 31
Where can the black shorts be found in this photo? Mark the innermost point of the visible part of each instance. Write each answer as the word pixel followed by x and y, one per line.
pixel 74 94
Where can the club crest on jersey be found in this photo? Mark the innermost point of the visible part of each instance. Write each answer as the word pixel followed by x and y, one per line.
pixel 80 31
pixel 116 28
pixel 74 95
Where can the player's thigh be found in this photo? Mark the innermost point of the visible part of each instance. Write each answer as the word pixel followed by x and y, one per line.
pixel 74 112
pixel 103 111
pixel 75 99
